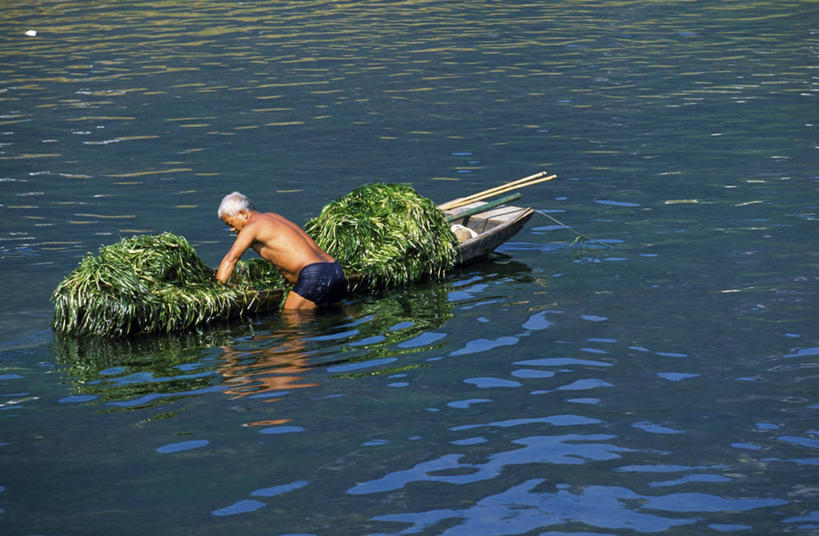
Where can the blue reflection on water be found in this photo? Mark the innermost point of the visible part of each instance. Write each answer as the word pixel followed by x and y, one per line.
pixel 585 384
pixel 348 367
pixel 278 490
pixel 245 506
pixel 561 362
pixel 470 441
pixel 423 339
pixel 281 430
pixel 522 508
pixel 10 376
pixel 676 376
pixel 240 507
pixel 569 449
pixel 158 396
pixel 484 345
pixel 653 428
pixel 616 203
pixel 804 352
pixel 801 441
pixel 554 420
pixel 532 373
pixel 183 445
pixel 537 321
pixel 690 478
pixel 703 502
pixel 490 383
pixel 463 404
pixel 726 527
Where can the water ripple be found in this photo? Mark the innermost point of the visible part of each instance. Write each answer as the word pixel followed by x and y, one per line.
pixel 571 449
pixel 183 446
pixel 484 345
pixel 524 508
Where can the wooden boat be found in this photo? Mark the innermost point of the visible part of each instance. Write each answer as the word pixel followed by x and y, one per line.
pixel 488 229
pixel 486 225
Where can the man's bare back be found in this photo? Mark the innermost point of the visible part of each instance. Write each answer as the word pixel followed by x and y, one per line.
pixel 276 239
pixel 284 243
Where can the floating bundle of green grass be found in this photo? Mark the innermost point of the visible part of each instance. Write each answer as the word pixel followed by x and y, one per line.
pixel 150 284
pixel 387 234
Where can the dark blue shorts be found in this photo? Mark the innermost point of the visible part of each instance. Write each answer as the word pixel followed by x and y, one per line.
pixel 322 283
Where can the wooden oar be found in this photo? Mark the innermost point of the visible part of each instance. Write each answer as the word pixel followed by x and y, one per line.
pixel 514 185
pixel 520 183
pixel 497 190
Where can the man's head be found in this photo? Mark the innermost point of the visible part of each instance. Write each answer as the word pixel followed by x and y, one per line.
pixel 234 210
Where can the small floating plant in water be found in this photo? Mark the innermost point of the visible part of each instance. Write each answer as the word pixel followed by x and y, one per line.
pixel 578 245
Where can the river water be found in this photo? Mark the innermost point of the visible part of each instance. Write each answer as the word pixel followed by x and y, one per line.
pixel 660 378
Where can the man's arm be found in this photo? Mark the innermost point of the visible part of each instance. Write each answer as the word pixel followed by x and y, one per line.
pixel 243 241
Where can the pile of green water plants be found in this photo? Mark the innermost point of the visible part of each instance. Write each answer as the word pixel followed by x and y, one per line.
pixel 152 284
pixel 385 235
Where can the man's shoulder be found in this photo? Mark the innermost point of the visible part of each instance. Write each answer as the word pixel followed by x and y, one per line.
pixel 277 220
pixel 265 218
pixel 266 223
pixel 271 216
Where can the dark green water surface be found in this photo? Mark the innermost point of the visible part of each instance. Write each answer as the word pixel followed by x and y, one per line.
pixel 663 379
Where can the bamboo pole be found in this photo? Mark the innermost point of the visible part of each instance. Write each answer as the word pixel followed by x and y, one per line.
pixel 497 190
pixel 474 196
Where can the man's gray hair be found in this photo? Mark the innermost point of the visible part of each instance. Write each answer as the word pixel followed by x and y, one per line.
pixel 232 203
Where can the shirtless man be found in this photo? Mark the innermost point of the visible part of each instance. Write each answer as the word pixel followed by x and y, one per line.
pixel 318 278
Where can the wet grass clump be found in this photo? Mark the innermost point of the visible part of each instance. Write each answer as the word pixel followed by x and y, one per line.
pixel 387 235
pixel 151 284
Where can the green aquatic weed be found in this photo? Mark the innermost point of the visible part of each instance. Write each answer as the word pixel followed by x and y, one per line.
pixel 385 235
pixel 150 284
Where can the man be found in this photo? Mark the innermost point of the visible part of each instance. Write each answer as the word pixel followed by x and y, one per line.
pixel 318 279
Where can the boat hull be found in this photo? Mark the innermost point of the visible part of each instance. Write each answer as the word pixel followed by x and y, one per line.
pixel 492 228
